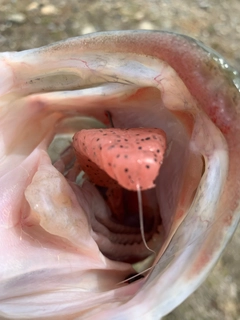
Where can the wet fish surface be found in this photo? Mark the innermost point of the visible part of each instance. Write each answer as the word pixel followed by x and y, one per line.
pixel 85 235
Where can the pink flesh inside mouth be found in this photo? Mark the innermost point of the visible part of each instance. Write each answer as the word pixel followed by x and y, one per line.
pixel 120 164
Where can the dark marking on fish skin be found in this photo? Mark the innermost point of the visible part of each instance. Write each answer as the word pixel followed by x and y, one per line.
pixel 109 115
pixel 110 142
pixel 134 277
pixel 204 165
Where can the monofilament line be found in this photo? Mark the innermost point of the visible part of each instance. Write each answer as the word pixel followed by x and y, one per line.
pixel 141 217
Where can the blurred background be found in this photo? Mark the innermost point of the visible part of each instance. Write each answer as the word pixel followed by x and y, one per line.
pixel 27 24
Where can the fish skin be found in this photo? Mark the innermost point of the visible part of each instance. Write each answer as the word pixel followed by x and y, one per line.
pixel 191 253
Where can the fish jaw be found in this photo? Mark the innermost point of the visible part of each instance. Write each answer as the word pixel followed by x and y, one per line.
pixel 117 79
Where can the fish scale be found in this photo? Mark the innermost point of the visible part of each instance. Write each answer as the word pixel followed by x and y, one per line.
pixel 130 157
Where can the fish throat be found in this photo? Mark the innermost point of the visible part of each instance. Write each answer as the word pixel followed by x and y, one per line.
pixel 122 165
pixel 138 179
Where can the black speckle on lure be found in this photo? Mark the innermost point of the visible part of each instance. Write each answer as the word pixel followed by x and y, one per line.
pixel 139 150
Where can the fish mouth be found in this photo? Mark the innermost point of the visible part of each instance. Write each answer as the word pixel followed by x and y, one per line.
pixel 119 237
pixel 60 214
pixel 131 106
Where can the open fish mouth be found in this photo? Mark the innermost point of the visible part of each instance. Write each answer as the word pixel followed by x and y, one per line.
pixel 77 253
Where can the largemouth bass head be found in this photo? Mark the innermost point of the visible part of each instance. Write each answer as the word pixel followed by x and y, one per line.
pixel 70 244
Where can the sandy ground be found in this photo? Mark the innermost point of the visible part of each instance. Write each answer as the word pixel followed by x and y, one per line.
pixel 27 24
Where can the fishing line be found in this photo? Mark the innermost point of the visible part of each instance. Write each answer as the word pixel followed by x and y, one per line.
pixel 129 279
pixel 141 217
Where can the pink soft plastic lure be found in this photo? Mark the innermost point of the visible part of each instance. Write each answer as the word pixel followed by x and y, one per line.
pixel 132 157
